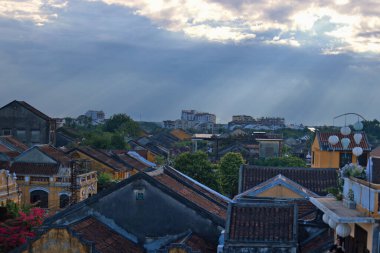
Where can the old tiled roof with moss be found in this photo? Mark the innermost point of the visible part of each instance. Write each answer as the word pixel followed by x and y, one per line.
pixel 101 157
pixel 272 222
pixel 108 206
pixel 105 239
pixel 12 144
pixel 55 153
pixel 37 169
pixel 316 180
pixel 194 192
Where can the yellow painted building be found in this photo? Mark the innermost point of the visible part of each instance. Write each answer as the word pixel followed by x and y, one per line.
pixel 325 155
pixel 44 177
pixel 358 217
pixel 102 162
pixel 8 187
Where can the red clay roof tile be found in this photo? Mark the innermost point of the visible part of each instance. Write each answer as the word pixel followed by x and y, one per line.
pixel 104 238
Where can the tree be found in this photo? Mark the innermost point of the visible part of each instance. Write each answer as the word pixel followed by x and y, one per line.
pixel 286 161
pixel 104 181
pixel 122 124
pixel 117 141
pixel 15 230
pixel 197 166
pixel 229 173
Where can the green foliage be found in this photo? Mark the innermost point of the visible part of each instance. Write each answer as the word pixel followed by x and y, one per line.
pixel 197 166
pixel 336 192
pixel 117 141
pixel 229 173
pixel 160 160
pixel 104 181
pixel 286 161
pixel 122 124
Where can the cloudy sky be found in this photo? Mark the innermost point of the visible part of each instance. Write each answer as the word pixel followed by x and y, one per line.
pixel 307 61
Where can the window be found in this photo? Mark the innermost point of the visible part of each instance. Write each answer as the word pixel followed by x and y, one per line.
pixel 139 196
pixel 63 200
pixel 345 158
pixel 21 135
pixel 39 198
pixel 139 193
pixel 7 131
pixel 35 136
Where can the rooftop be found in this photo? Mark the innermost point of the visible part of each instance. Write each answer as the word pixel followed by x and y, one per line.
pixel 339 213
pixel 323 138
pixel 316 180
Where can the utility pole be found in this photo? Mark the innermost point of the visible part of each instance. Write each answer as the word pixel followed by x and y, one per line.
pixel 73 182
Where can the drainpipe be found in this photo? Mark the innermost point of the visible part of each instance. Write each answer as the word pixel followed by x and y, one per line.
pixel 375 237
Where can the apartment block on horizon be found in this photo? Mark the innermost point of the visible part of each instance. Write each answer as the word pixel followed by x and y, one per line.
pixel 192 119
pixel 97 117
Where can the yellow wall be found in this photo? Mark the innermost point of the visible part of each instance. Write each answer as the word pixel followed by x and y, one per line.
pixel 87 186
pixel 57 240
pixel 326 159
pixel 8 189
pixel 150 157
pixel 98 166
pixel 279 191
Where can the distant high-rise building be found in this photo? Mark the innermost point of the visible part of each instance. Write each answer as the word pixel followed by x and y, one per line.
pixel 242 119
pixel 96 116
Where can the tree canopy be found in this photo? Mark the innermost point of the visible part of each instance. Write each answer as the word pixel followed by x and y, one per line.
pixel 197 166
pixel 229 173
pixel 286 161
pixel 122 124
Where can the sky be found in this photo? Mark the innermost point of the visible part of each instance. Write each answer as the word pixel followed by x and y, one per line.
pixel 306 61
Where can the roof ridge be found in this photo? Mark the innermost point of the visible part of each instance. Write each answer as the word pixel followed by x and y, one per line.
pixel 199 184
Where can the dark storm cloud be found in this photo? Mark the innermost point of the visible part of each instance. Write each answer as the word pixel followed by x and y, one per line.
pixel 97 56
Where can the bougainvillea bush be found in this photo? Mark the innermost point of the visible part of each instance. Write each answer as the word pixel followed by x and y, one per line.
pixel 15 231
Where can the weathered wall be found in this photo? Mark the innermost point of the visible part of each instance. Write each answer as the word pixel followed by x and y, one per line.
pixel 156 215
pixel 57 240
pixel 14 116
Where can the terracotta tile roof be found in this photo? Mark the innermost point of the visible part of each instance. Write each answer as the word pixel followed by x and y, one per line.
pixel 269 222
pixel 199 187
pixel 34 168
pixel 316 180
pixel 323 139
pixel 278 180
pixel 55 153
pixel 101 157
pixel 132 162
pixel 192 194
pixel 105 239
pixel 12 143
